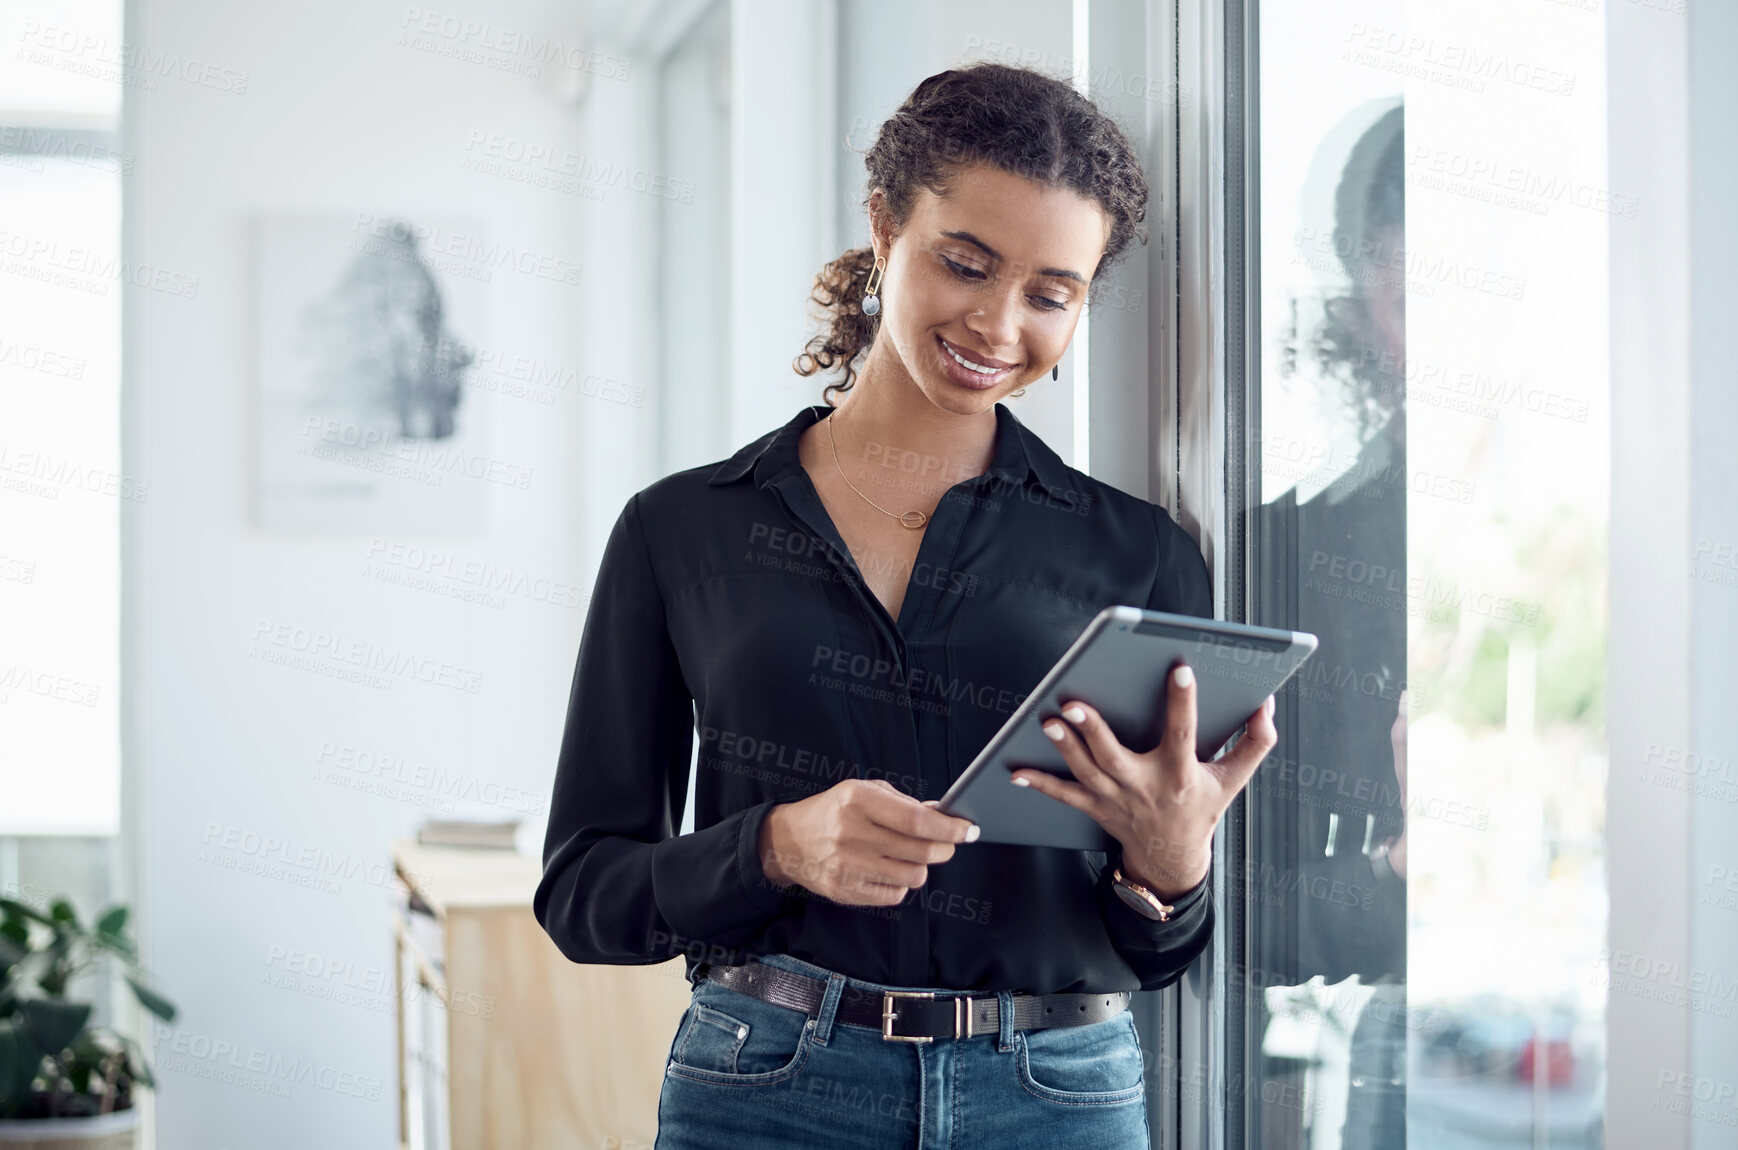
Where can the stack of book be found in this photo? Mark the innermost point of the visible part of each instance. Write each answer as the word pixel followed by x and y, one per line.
pixel 497 834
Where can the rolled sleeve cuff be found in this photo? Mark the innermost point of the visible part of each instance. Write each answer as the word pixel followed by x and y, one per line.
pixel 709 884
pixel 1190 898
pixel 756 888
pixel 1158 951
pixel 1180 906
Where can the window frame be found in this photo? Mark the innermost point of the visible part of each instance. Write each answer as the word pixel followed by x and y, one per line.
pixel 1208 369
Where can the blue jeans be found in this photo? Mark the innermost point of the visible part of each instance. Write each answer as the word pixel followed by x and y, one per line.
pixel 747 1075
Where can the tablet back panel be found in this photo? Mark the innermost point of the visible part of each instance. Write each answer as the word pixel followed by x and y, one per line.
pixel 1120 665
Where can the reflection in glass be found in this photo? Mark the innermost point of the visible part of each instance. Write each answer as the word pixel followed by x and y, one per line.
pixel 1326 885
pixel 1424 885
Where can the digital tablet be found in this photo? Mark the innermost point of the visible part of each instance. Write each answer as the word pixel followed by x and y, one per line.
pixel 1119 666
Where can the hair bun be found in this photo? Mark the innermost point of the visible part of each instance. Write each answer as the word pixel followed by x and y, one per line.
pixel 1020 120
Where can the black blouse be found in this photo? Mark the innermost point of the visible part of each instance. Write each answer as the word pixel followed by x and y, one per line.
pixel 728 605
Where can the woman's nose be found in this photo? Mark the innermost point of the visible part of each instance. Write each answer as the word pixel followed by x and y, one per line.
pixel 996 322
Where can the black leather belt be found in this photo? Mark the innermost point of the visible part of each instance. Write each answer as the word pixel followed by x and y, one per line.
pixel 916 1016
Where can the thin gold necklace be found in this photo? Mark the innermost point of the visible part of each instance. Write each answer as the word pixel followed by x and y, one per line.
pixel 912 519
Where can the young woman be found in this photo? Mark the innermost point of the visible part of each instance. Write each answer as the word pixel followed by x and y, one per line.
pixel 847 609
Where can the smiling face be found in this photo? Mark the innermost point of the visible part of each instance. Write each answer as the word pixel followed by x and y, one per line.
pixel 994 273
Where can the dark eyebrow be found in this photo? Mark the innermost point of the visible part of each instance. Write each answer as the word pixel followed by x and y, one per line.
pixel 1062 273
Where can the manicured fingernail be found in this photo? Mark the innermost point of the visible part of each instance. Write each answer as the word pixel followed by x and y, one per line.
pixel 1019 782
pixel 932 802
pixel 1270 706
pixel 972 833
pixel 1183 677
pixel 1074 715
pixel 1054 730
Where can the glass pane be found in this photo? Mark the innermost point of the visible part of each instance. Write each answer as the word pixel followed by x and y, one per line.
pixel 1425 878
pixel 66 65
pixel 61 489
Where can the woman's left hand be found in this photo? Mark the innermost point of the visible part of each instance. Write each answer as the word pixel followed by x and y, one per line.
pixel 1162 806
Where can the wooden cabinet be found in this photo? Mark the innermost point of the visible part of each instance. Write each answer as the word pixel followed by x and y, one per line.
pixel 503 1044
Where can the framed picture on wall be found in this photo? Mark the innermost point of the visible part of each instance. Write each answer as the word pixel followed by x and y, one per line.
pixel 368 332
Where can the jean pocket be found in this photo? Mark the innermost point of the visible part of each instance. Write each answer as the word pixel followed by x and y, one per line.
pixel 730 1039
pixel 1094 1065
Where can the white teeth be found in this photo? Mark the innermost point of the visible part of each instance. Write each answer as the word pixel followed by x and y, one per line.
pixel 964 362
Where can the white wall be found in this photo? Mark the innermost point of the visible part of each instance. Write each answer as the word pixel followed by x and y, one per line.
pixel 337 115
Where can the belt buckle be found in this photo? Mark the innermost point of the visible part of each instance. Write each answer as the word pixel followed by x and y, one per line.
pixel 962 1015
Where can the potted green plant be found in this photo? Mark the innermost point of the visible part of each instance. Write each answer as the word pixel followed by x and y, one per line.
pixel 65 1084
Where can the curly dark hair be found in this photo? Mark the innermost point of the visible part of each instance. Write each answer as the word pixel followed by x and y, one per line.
pixel 1369 232
pixel 1021 121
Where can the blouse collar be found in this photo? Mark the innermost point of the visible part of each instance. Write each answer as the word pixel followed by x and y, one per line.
pixel 1018 453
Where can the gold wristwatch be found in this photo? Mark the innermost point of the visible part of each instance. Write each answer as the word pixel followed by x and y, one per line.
pixel 1145 902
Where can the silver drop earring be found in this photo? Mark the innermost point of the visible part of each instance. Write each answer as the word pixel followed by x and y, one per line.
pixel 871 298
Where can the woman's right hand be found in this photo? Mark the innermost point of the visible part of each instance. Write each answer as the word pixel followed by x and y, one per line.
pixel 861 842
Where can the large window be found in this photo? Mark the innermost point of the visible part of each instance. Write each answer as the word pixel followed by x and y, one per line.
pixel 1421 889
pixel 62 484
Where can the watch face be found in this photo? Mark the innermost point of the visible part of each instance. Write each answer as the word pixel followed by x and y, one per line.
pixel 1134 900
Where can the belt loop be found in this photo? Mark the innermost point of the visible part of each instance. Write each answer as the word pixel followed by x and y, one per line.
pixel 829 1007
pixel 1005 1012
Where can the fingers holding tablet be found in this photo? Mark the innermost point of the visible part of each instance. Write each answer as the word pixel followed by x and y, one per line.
pixel 1173 686
pixel 1260 735
pixel 1180 720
